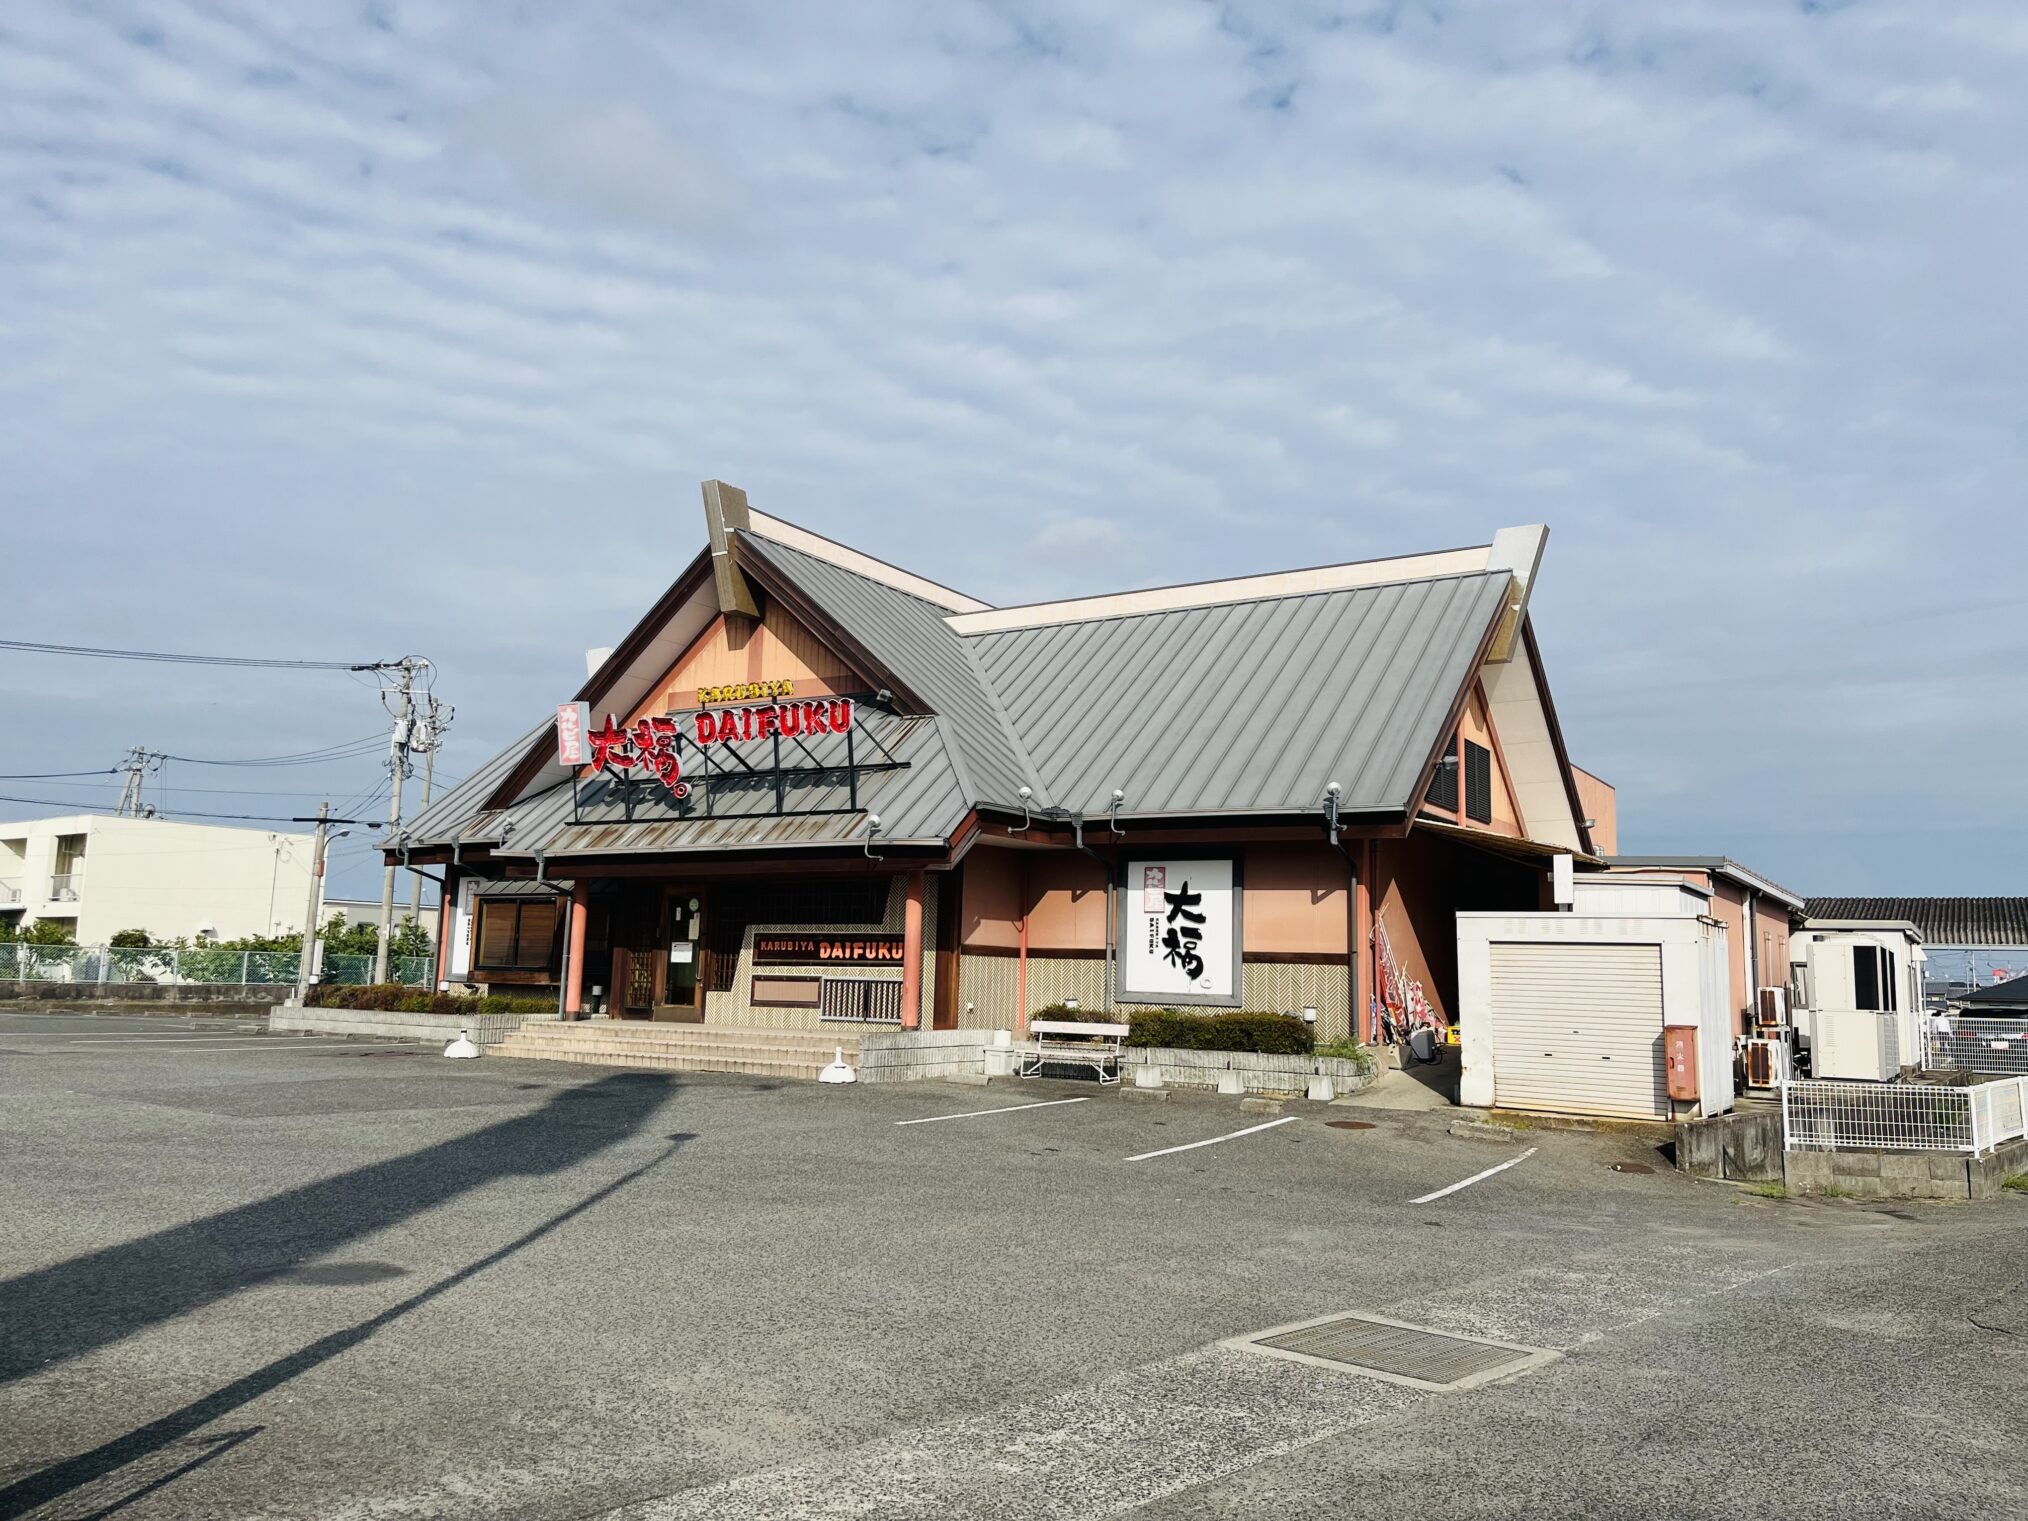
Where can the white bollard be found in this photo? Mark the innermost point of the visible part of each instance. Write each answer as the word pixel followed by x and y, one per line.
pixel 1147 1077
pixel 838 1072
pixel 1231 1082
pixel 462 1046
pixel 1322 1090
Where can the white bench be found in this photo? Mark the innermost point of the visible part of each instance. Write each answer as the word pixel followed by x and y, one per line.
pixel 1080 1042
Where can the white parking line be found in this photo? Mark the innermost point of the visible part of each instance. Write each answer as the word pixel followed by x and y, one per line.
pixel 165 1040
pixel 973 1114
pixel 300 1048
pixel 1477 1177
pixel 1287 1119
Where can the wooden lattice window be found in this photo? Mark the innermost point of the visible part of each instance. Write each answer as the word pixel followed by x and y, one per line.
pixel 516 934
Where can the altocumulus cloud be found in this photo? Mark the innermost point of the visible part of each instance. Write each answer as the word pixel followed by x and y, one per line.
pixel 334 330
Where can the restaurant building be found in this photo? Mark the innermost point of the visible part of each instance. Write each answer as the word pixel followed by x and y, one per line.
pixel 810 789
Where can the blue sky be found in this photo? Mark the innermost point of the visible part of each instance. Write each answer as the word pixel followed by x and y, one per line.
pixel 349 331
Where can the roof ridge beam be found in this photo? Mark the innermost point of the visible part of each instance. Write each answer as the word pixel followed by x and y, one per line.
pixel 1273 585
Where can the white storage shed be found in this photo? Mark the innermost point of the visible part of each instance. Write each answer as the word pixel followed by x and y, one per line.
pixel 1571 1013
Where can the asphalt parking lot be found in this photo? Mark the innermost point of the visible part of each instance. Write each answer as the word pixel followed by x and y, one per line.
pixel 268 1276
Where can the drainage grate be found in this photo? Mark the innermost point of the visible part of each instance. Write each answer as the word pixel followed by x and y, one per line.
pixel 1399 1353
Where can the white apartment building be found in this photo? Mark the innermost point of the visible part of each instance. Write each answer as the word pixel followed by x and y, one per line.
pixel 101 875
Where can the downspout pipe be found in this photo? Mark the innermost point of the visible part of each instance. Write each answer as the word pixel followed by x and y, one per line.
pixel 1333 829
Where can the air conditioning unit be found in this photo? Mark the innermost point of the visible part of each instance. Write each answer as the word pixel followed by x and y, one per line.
pixel 1767 1062
pixel 1773 1007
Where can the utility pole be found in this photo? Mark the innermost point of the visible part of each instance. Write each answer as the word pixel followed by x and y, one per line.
pixel 397 759
pixel 307 960
pixel 435 722
pixel 135 766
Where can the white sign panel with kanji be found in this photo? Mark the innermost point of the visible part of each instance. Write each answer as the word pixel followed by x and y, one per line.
pixel 1179 931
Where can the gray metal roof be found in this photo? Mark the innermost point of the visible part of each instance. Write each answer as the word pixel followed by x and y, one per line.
pixel 1246 707
pixel 1943 921
pixel 455 816
pixel 911 637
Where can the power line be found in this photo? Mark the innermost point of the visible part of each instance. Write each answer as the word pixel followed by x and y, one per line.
pixel 35 647
pixel 71 805
pixel 50 776
pixel 343 750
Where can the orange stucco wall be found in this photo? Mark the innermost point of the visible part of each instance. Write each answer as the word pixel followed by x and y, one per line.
pixel 777 648
pixel 1600 802
pixel 1293 900
pixel 1477 727
pixel 990 913
pixel 1067 903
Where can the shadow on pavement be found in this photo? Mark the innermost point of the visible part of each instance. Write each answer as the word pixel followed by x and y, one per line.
pixel 60 1312
pixel 60 1479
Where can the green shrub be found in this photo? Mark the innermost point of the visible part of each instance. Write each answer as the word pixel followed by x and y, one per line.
pixel 129 940
pixel 1346 1051
pixel 1241 1030
pixel 396 998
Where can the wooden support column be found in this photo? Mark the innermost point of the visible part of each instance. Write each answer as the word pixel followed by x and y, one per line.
pixel 573 1002
pixel 1364 980
pixel 446 924
pixel 911 951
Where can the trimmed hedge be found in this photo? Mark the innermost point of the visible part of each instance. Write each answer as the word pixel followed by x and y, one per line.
pixel 1241 1030
pixel 396 998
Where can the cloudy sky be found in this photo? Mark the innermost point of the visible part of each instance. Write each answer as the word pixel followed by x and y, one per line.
pixel 351 331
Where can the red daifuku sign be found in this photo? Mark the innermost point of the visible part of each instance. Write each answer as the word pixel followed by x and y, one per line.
pixel 790 720
pixel 650 744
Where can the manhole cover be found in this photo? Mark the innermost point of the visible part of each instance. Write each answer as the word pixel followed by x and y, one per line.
pixel 1399 1353
pixel 1349 1124
pixel 1632 1167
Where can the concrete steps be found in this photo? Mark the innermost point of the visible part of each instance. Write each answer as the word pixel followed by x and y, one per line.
pixel 796 1054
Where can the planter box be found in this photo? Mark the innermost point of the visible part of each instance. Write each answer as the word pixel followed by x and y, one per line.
pixel 382 1024
pixel 1255 1072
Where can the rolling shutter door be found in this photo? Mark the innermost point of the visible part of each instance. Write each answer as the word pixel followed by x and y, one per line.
pixel 1578 1028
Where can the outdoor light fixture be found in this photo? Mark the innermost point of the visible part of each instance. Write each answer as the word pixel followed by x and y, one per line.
pixel 872 834
pixel 1026 817
pixel 1119 797
pixel 1331 794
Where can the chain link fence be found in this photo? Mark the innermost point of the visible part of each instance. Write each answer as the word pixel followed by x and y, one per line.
pixel 199 965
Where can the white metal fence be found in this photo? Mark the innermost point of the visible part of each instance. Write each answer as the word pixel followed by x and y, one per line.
pixel 1979 1045
pixel 1827 1115
pixel 200 965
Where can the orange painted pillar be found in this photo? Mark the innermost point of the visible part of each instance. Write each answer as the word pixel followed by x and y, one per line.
pixel 446 897
pixel 573 997
pixel 1364 979
pixel 911 951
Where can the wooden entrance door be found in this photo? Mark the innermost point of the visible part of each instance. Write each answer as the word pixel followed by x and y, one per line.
pixel 633 983
pixel 681 941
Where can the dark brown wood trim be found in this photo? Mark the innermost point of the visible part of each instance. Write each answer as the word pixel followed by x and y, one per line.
pixel 944 992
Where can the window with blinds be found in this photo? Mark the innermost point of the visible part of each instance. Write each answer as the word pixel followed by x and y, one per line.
pixel 516 934
pixel 1478 783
